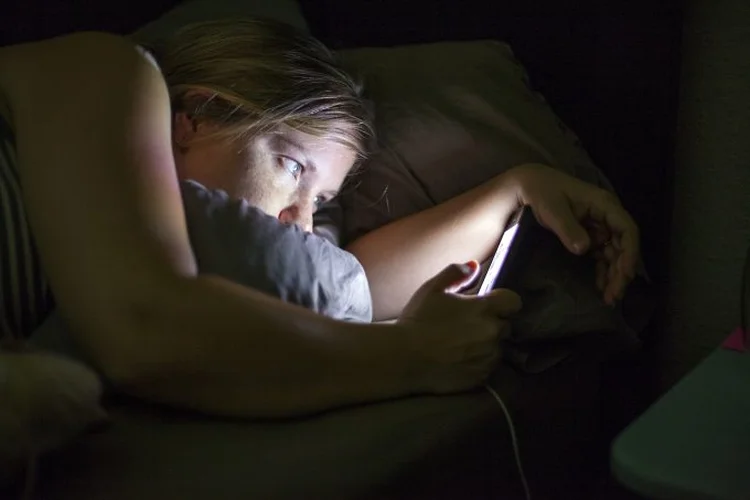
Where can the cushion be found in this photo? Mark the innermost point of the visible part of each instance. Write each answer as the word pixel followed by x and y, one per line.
pixel 232 239
pixel 47 400
pixel 450 116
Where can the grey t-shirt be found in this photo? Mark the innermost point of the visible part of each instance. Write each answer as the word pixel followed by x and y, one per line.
pixel 235 240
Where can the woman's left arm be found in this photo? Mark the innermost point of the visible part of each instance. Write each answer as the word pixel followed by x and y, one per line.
pixel 399 257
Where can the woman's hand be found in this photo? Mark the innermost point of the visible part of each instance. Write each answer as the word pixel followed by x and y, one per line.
pixel 586 218
pixel 457 338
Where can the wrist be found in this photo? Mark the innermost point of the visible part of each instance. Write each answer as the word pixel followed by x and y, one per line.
pixel 506 193
pixel 518 179
pixel 414 378
pixel 380 362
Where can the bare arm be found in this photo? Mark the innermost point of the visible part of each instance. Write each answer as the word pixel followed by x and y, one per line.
pixel 399 257
pixel 92 121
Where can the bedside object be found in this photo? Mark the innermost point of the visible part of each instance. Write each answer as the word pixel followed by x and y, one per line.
pixel 694 443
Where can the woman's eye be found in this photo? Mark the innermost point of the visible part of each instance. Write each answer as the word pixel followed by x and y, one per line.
pixel 292 166
pixel 318 201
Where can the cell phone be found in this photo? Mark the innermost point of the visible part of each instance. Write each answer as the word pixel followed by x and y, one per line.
pixel 512 253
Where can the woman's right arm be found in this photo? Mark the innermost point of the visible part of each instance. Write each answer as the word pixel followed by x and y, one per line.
pixel 93 132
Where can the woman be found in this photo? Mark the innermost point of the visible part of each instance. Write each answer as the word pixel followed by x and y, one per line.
pixel 99 137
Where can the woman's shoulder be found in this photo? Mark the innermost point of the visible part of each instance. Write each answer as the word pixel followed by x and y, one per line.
pixel 148 56
pixel 40 62
pixel 83 42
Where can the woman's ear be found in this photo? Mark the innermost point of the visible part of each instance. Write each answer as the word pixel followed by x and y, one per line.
pixel 185 129
pixel 189 126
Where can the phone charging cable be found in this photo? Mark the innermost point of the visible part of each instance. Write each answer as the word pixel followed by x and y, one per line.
pixel 514 440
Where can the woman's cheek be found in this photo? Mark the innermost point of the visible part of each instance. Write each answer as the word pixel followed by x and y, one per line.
pixel 269 193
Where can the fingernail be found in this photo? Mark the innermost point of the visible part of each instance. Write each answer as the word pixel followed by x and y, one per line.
pixel 466 268
pixel 470 267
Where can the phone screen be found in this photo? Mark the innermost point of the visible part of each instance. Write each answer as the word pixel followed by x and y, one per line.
pixel 508 255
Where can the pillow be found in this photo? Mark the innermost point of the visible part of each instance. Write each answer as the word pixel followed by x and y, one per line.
pixel 232 239
pixel 47 400
pixel 451 116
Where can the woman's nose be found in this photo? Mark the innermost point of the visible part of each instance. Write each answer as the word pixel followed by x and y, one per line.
pixel 298 215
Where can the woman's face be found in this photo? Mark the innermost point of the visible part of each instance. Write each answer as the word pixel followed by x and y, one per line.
pixel 287 174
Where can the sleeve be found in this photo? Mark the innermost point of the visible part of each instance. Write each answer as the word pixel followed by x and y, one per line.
pixel 234 240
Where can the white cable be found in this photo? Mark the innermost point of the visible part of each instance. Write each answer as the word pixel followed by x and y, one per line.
pixel 514 441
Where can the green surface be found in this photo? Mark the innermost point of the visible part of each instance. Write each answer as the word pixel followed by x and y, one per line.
pixel 694 443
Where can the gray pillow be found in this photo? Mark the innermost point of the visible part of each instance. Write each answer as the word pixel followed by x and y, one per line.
pixel 234 240
pixel 451 116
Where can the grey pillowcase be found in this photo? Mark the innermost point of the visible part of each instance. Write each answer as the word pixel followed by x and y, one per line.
pixel 235 240
pixel 451 116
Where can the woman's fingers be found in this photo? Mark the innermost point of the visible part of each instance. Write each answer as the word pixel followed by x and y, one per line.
pixel 501 303
pixel 615 283
pixel 614 238
pixel 616 234
pixel 557 215
pixel 490 349
pixel 601 273
pixel 585 218
pixel 624 233
pixel 454 277
pixel 630 243
pixel 610 252
pixel 598 232
pixel 610 279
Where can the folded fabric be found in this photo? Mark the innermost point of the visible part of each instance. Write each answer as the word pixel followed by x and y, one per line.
pixel 235 240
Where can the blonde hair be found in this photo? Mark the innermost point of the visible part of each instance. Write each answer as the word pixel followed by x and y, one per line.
pixel 252 76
